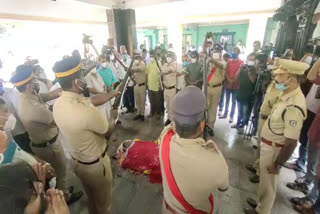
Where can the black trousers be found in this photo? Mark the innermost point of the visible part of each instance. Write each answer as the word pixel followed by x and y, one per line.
pixel 154 97
pixel 128 99
pixel 23 141
pixel 162 102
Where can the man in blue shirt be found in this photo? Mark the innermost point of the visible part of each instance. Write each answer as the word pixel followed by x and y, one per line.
pixel 106 73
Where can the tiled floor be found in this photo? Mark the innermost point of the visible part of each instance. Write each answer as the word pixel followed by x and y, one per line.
pixel 133 194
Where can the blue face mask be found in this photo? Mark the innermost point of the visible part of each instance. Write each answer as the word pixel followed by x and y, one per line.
pixel 234 55
pixel 281 87
pixel 185 64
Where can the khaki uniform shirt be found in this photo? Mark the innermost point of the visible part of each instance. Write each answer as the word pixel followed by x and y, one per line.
pixel 198 169
pixel 140 77
pixel 271 97
pixel 82 125
pixel 37 118
pixel 219 75
pixel 280 125
pixel 170 79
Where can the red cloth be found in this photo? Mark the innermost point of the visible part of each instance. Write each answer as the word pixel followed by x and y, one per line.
pixel 165 154
pixel 212 73
pixel 142 157
pixel 233 66
pixel 314 130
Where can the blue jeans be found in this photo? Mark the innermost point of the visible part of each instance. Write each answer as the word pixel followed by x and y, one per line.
pixel 221 102
pixel 301 161
pixel 316 206
pixel 310 177
pixel 230 94
pixel 244 110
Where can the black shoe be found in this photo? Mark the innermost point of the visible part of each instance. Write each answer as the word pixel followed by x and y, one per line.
pixel 251 168
pixel 301 187
pixel 235 126
pixel 71 188
pixel 118 122
pixel 223 117
pixel 167 122
pixel 210 131
pixel 249 211
pixel 141 117
pixel 255 179
pixel 137 117
pixel 75 197
pixel 252 202
pixel 255 147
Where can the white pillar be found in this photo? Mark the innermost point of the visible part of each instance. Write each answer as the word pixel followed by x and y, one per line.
pixel 175 37
pixel 256 31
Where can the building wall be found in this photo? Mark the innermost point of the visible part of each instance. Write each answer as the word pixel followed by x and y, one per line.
pixel 198 33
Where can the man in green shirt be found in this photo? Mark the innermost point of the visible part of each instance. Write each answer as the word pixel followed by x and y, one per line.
pixel 194 71
pixel 154 80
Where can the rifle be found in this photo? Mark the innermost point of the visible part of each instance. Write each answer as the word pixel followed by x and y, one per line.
pixel 206 111
pixel 124 83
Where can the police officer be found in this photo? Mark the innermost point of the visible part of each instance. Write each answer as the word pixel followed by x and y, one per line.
pixel 169 71
pixel 40 124
pixel 280 133
pixel 139 70
pixel 185 154
pixel 84 128
pixel 216 75
pixel 270 98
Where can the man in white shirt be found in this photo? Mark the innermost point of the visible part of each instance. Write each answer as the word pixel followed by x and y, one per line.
pixel 128 97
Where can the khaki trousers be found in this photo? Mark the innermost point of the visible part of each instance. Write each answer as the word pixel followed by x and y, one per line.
pixel 261 123
pixel 54 154
pixel 268 182
pixel 97 182
pixel 140 98
pixel 214 95
pixel 169 95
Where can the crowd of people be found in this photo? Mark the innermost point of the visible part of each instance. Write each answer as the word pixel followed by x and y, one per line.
pixel 42 122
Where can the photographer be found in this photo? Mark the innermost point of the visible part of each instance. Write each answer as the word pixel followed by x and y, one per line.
pixel 247 76
pixel 194 71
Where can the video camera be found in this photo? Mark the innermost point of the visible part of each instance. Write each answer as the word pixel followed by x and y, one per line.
pixel 87 39
pixel 263 54
pixel 106 51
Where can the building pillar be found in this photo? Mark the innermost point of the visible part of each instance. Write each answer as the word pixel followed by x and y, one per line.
pixel 122 28
pixel 256 31
pixel 175 34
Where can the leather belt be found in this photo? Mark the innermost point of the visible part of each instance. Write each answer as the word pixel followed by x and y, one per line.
pixel 141 84
pixel 43 145
pixel 270 143
pixel 216 85
pixel 171 87
pixel 92 162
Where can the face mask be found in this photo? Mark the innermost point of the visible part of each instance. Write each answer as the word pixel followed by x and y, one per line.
pixel 112 57
pixel 308 60
pixel 136 61
pixel 215 56
pixel 193 60
pixel 82 85
pixel 104 65
pixel 152 59
pixel 282 86
pixel 10 124
pixel 36 87
pixel 251 63
pixel 234 56
pixel 124 57
pixel 185 64
pixel 169 59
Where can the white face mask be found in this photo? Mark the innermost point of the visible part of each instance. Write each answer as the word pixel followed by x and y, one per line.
pixel 169 59
pixel 193 60
pixel 10 124
pixel 215 56
pixel 270 67
pixel 251 63
pixel 308 60
pixel 104 65
pixel 136 61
